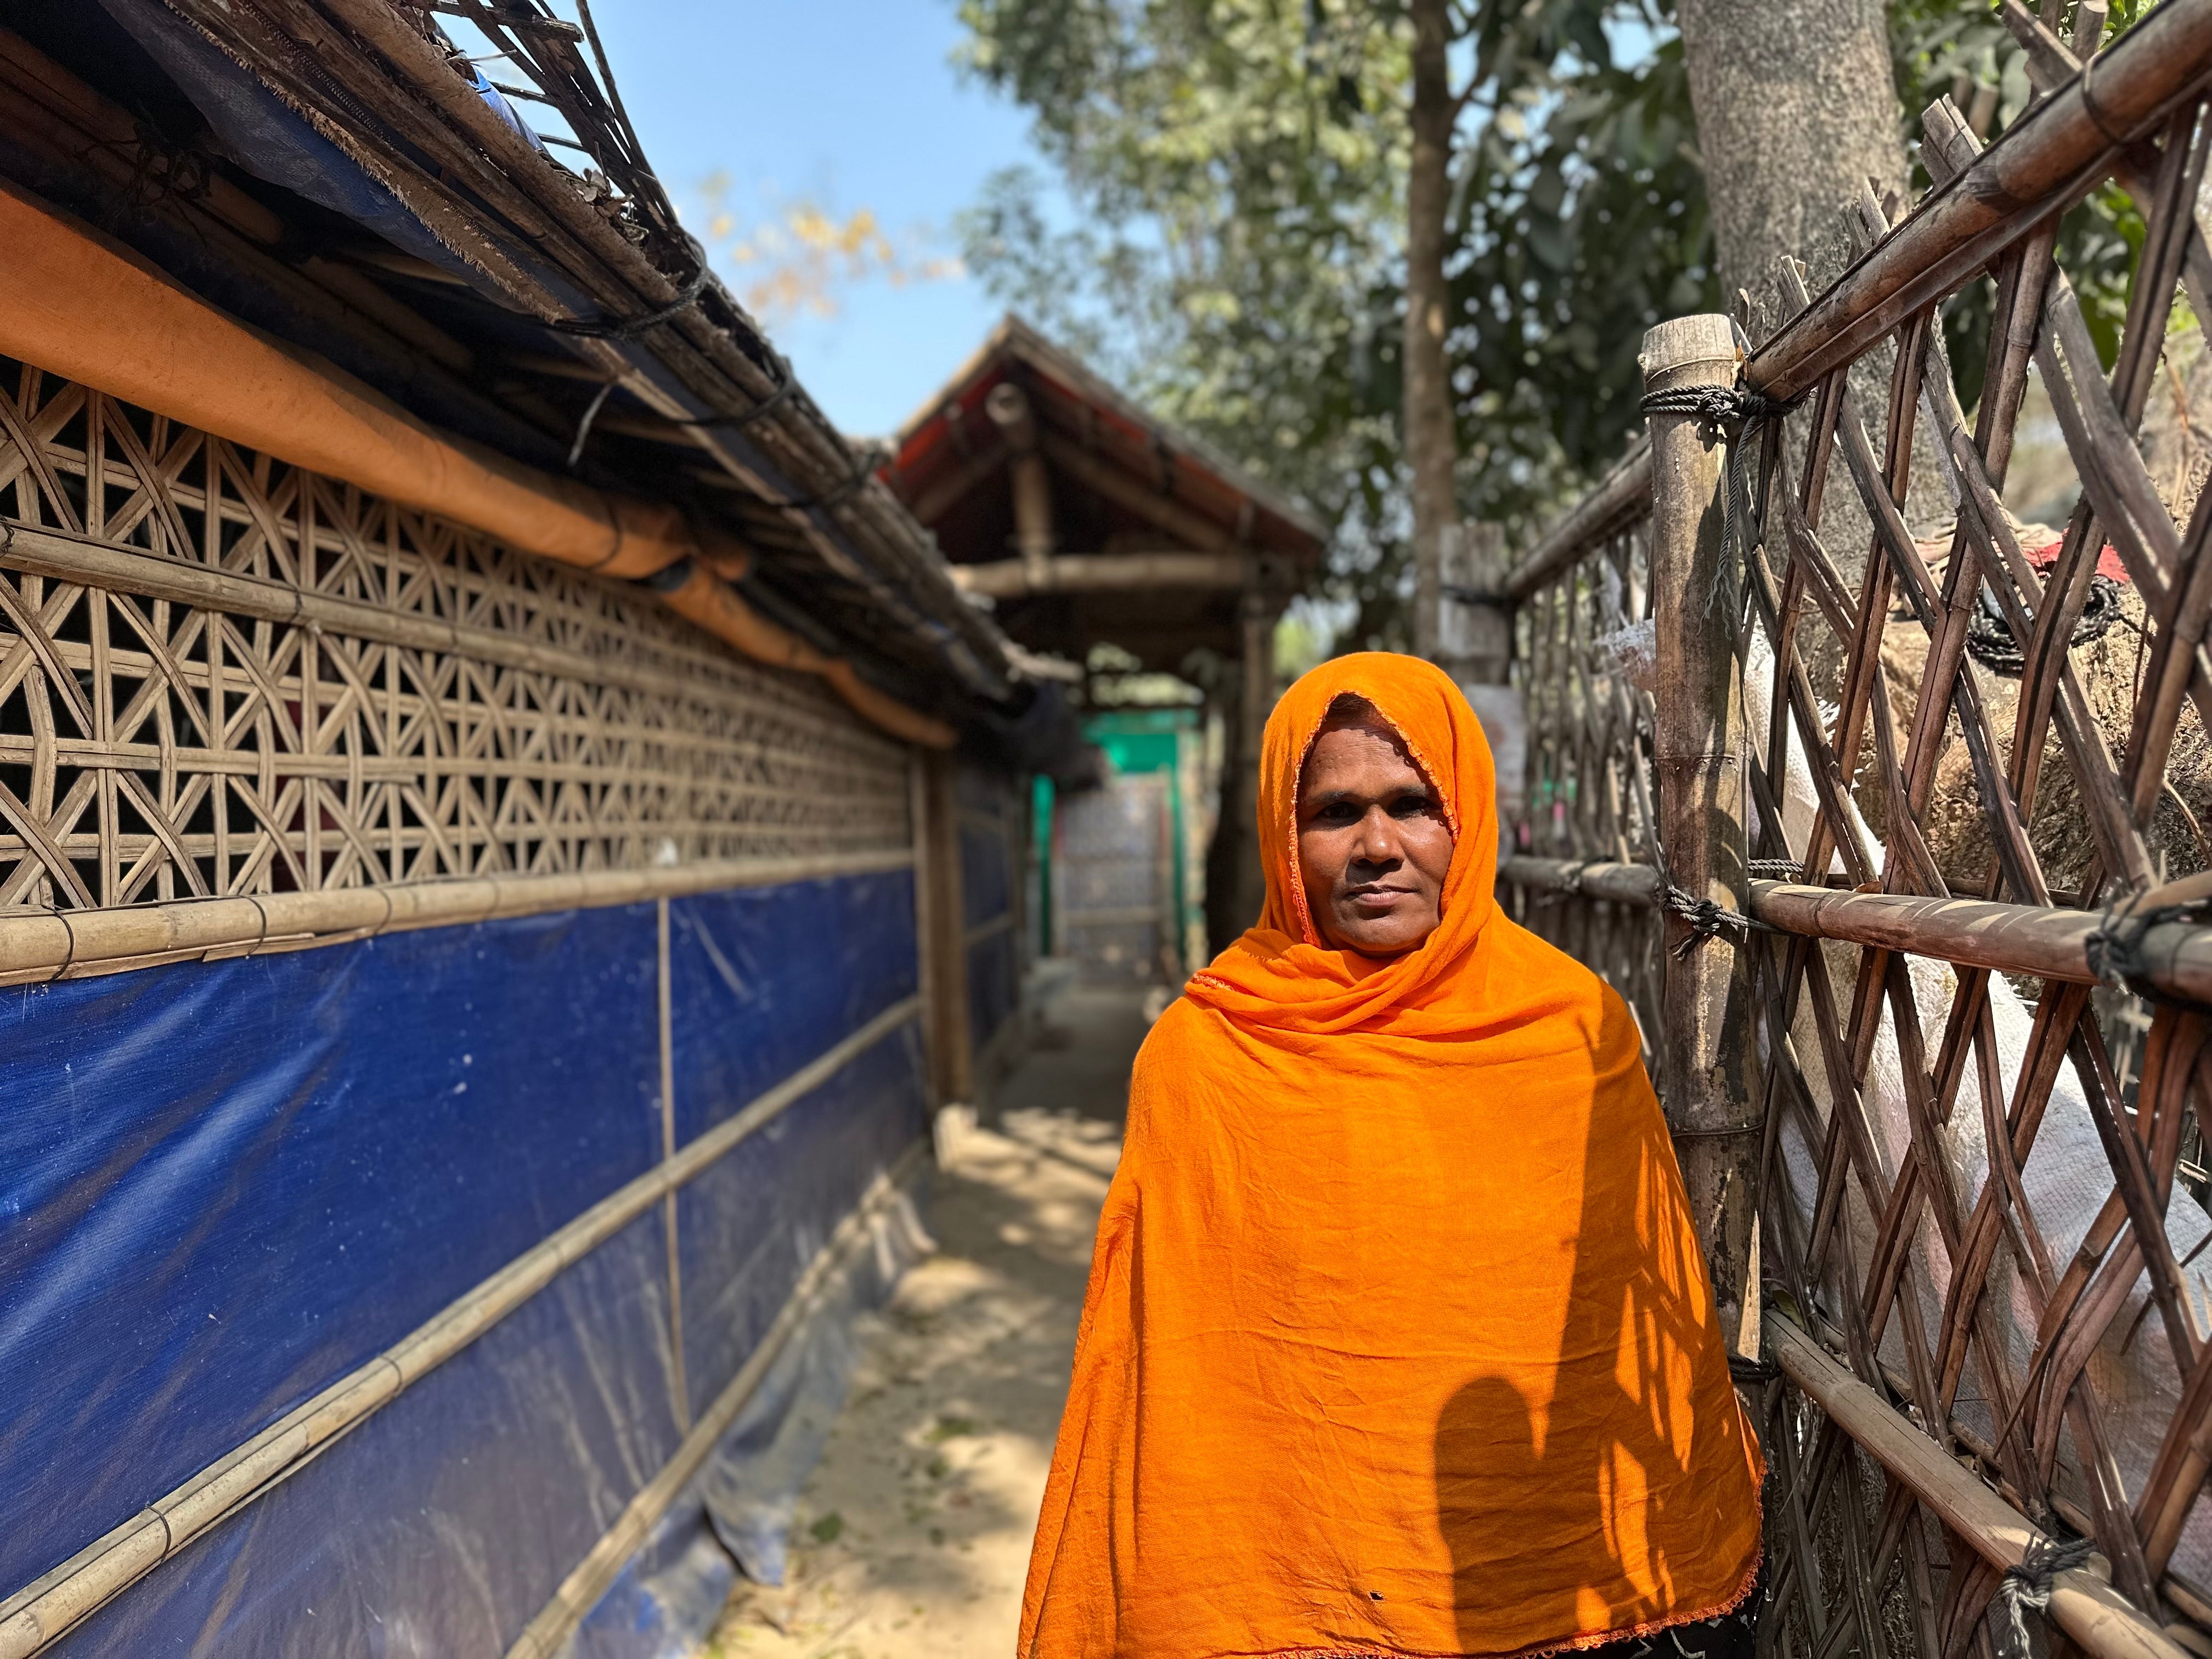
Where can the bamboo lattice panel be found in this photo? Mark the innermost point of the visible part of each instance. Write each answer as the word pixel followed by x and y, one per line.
pixel 1978 1186
pixel 1582 652
pixel 1973 1178
pixel 373 696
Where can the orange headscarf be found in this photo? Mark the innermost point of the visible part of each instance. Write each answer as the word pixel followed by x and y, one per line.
pixel 1398 1339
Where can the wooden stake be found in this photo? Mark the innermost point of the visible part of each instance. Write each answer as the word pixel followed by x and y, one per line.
pixel 1705 1075
pixel 1029 480
pixel 952 1041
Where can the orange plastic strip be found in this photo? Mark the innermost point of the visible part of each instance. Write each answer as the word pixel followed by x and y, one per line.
pixel 79 305
pixel 715 607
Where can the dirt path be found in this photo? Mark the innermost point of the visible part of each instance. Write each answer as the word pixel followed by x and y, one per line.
pixel 914 1534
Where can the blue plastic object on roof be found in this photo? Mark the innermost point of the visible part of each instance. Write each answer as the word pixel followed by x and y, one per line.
pixel 506 111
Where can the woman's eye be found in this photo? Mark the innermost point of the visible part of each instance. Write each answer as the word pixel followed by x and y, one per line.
pixel 1411 806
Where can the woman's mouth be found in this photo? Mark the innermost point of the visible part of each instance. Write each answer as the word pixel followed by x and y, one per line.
pixel 1377 898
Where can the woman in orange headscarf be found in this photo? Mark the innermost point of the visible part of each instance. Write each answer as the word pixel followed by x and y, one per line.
pixel 1398 1338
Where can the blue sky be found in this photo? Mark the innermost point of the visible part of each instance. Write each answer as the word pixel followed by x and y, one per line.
pixel 850 104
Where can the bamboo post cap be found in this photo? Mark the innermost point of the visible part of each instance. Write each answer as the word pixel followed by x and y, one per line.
pixel 1705 343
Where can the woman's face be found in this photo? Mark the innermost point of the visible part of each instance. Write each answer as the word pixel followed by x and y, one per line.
pixel 1373 844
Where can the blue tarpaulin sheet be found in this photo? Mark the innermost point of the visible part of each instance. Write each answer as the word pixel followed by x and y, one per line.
pixel 223 1185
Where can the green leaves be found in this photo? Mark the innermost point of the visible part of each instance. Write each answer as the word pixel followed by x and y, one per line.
pixel 1226 236
pixel 1943 48
pixel 1228 211
pixel 1574 230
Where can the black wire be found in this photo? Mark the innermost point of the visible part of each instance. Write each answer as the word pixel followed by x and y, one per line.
pixel 2114 951
pixel 786 387
pixel 1989 637
pixel 628 328
pixel 584 426
pixel 838 497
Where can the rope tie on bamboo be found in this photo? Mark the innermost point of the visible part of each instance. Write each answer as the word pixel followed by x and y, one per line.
pixel 1777 870
pixel 1742 1368
pixel 787 384
pixel 870 457
pixel 1708 919
pixel 2114 951
pixel 628 328
pixel 2029 1583
pixel 1735 415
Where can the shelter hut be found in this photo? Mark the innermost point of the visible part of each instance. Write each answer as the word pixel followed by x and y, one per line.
pixel 486 884
pixel 1083 519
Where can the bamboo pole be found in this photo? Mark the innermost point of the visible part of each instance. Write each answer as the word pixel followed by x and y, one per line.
pixel 2081 1604
pixel 927 971
pixel 1102 573
pixel 1029 479
pixel 580 1591
pixel 2174 957
pixel 1704 1081
pixel 38 1615
pixel 105 319
pixel 36 946
pixel 952 1033
pixel 1623 494
pixel 1617 883
pixel 2052 153
pixel 1090 470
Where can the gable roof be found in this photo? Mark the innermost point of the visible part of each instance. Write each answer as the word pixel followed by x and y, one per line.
pixel 1210 502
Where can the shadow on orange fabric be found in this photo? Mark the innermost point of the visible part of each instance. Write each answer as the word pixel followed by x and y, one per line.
pixel 1654 1332
pixel 1397 1339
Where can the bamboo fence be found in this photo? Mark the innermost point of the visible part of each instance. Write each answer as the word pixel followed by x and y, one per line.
pixel 1959 1063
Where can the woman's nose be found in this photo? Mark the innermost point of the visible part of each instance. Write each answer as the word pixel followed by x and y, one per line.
pixel 1378 838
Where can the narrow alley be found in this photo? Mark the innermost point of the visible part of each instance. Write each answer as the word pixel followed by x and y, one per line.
pixel 913 1535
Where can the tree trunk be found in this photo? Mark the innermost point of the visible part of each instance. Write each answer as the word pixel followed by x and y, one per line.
pixel 1431 444
pixel 1796 112
pixel 1797 116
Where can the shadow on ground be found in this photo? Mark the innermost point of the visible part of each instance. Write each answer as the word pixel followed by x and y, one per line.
pixel 913 1535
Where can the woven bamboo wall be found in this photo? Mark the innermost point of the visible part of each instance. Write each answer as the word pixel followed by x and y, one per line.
pixel 221 675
